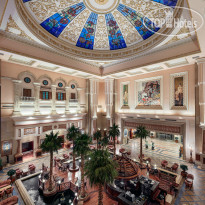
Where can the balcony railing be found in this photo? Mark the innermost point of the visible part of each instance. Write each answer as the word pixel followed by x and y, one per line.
pixel 73 101
pixel 27 99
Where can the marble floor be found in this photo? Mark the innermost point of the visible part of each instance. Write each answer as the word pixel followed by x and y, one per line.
pixel 163 150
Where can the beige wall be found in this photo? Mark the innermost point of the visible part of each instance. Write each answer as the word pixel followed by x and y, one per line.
pixel 12 70
pixel 166 92
pixel 184 116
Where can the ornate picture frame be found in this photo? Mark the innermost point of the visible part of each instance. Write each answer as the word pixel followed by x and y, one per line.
pixel 124 95
pixel 6 147
pixel 179 91
pixel 149 93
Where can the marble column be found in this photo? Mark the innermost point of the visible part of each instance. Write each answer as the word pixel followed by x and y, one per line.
pixel 79 99
pixel 67 90
pixel 18 146
pixel 17 96
pixel 109 93
pixel 201 94
pixel 53 89
pixel 37 87
pixel 93 103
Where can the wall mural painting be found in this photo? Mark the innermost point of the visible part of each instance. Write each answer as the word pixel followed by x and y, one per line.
pixel 149 93
pixel 178 91
pixel 6 148
pixel 125 95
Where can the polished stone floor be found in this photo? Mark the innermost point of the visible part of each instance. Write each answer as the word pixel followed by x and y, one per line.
pixel 168 150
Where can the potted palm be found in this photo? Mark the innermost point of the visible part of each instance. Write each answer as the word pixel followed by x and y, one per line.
pixel 184 169
pixel 81 148
pixel 100 170
pixel 97 135
pixel 51 144
pixel 141 133
pixel 114 132
pixel 104 141
pixel 72 133
pixel 176 139
pixel 10 173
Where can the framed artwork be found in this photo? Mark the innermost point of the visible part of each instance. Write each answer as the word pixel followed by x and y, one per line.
pixel 6 148
pixel 149 93
pixel 178 92
pixel 125 95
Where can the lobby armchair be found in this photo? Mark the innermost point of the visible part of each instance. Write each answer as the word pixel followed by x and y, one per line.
pixel 174 167
pixel 164 164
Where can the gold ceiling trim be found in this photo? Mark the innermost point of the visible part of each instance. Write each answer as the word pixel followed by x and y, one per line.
pixel 101 11
pixel 67 48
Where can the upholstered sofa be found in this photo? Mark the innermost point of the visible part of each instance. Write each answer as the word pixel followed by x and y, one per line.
pixel 10 201
pixel 5 183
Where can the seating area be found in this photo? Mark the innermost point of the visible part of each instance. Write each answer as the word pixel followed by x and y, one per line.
pixel 13 200
pixel 6 192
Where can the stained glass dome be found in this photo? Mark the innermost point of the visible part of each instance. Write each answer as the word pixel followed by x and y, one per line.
pixel 102 25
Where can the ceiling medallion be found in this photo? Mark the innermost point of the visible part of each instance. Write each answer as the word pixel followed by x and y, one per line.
pixel 101 2
pixel 101 6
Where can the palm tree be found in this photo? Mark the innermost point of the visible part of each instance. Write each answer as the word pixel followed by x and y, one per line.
pixel 81 148
pixel 97 135
pixel 100 169
pixel 72 134
pixel 141 133
pixel 51 144
pixel 104 141
pixel 114 132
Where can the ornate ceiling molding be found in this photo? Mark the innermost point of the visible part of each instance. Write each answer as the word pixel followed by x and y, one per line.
pixel 69 49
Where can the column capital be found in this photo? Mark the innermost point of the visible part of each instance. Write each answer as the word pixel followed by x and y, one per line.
pixel 36 84
pixel 67 87
pixel 109 79
pixel 200 60
pixel 54 86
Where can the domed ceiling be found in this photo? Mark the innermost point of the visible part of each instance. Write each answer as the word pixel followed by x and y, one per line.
pixel 97 29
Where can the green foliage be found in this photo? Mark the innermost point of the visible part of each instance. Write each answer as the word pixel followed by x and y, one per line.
pixel 176 138
pixel 114 131
pixel 72 133
pixel 0 162
pixel 81 145
pixel 97 135
pixel 184 167
pixel 51 143
pixel 141 132
pixel 104 141
pixel 11 172
pixel 100 169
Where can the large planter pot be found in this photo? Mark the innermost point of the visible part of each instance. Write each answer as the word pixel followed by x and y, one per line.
pixel 184 174
pixel 176 141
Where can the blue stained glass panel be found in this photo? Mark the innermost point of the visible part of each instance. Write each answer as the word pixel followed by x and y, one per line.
pixel 115 37
pixel 171 3
pixel 139 21
pixel 24 1
pixel 57 23
pixel 86 38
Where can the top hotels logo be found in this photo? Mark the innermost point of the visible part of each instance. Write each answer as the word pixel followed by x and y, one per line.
pixel 188 19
